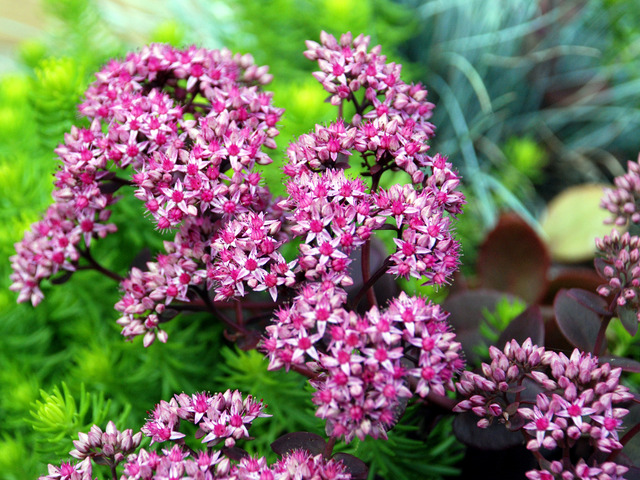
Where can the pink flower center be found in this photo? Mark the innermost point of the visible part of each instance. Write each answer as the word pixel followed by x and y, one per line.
pixel 177 196
pixel 574 411
pixel 251 264
pixel 326 249
pixel 542 423
pixel 610 423
pixel 315 226
pixel 381 355
pixel 304 343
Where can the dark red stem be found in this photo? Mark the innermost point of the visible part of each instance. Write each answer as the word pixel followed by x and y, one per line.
pixel 93 265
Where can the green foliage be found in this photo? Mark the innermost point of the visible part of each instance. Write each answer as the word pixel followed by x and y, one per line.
pixel 495 322
pixel 58 417
pixel 16 461
pixel 55 92
pixel 170 32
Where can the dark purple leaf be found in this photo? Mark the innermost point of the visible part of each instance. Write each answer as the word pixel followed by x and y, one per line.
pixel 495 437
pixel 62 278
pixel 141 259
pixel 528 324
pixel 513 259
pixel 592 301
pixel 168 314
pixel 465 315
pixel 570 277
pixel 631 451
pixel 626 364
pixel 600 264
pixel 234 453
pixel 311 442
pixel 629 318
pixel 249 341
pixel 356 467
pixel 577 323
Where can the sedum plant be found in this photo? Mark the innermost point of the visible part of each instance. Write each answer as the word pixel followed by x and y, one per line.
pixel 184 131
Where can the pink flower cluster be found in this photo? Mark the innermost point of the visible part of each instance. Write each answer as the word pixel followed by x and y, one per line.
pixel 396 127
pixel 191 125
pixel 220 417
pixel 79 214
pixel 366 364
pixel 581 471
pixel 176 463
pixel 579 398
pixel 619 265
pixel 622 201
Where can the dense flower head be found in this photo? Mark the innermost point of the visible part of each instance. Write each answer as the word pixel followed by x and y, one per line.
pixel 578 400
pixel 367 363
pixel 222 417
pixel 623 201
pixel 191 125
pixel 619 265
pixel 392 117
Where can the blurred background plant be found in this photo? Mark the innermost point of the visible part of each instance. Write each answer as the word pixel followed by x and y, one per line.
pixel 532 96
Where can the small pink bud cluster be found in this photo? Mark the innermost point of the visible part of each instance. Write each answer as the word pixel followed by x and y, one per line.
pixel 220 417
pixel 581 471
pixel 619 265
pixel 367 364
pixel 578 400
pixel 623 201
pixel 108 447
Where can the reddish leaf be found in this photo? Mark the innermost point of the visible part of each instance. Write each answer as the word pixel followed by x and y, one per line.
pixel 528 324
pixel 356 467
pixel 626 364
pixel 62 278
pixel 495 437
pixel 570 277
pixel 513 259
pixel 249 341
pixel 465 309
pixel 234 453
pixel 592 301
pixel 629 318
pixel 312 443
pixel 577 323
